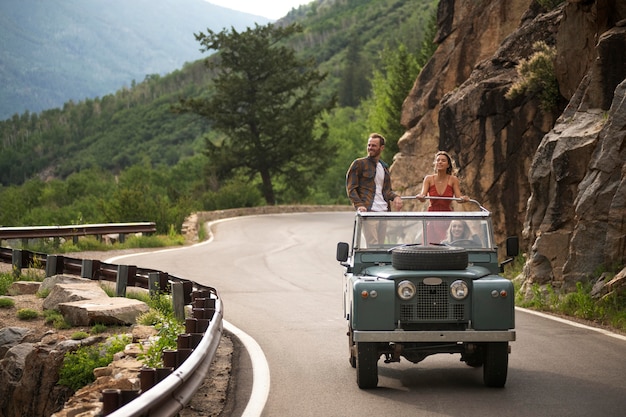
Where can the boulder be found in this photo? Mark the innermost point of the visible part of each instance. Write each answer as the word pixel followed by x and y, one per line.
pixel 105 310
pixel 63 293
pixel 24 287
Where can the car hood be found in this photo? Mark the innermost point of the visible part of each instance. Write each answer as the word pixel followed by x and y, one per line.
pixel 389 272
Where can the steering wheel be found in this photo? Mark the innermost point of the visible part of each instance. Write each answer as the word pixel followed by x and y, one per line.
pixel 465 243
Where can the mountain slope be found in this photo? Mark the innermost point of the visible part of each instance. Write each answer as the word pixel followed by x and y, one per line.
pixel 52 52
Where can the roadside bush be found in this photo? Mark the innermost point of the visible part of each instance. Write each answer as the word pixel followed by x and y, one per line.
pixel 6 302
pixel 98 328
pixel 27 314
pixel 79 335
pixel 168 329
pixel 78 366
pixel 55 318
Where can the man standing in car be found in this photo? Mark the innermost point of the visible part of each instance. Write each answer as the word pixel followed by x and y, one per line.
pixel 368 184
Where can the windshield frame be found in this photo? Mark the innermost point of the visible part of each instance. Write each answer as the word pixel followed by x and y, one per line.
pixel 425 228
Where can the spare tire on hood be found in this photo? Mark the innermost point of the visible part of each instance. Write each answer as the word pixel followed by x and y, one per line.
pixel 433 257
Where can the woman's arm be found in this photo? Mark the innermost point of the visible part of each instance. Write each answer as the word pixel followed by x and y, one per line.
pixel 425 187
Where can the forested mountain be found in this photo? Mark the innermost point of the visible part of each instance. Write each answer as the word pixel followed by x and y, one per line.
pixel 55 51
pixel 144 157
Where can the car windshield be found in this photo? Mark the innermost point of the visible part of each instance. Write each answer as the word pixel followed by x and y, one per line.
pixel 469 233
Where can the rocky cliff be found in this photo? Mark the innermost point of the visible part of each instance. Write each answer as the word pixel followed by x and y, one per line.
pixel 554 176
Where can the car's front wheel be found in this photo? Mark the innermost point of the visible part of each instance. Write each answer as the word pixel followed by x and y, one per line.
pixel 496 363
pixel 367 365
pixel 351 347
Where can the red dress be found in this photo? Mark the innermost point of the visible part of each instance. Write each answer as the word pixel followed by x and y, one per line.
pixel 437 230
pixel 440 205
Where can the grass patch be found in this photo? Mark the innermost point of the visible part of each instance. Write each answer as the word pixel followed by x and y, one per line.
pixel 98 328
pixel 79 335
pixel 91 243
pixel 27 314
pixel 56 319
pixel 6 302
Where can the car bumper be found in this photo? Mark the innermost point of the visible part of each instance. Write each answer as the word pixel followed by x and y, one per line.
pixel 402 336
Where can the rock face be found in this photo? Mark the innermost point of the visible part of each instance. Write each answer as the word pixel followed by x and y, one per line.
pixel 29 364
pixel 556 178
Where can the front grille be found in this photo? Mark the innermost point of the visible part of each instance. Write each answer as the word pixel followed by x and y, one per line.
pixel 431 302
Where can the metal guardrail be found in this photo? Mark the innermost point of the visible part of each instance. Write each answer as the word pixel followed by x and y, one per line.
pixel 186 372
pixel 75 230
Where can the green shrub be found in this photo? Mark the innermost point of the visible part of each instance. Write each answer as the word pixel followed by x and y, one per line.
pixel 55 318
pixel 78 366
pixel 6 302
pixel 149 318
pixel 99 328
pixel 581 304
pixel 537 77
pixel 27 314
pixel 168 329
pixel 79 335
pixel 6 279
pixel 43 293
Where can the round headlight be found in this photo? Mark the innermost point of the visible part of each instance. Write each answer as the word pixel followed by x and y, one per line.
pixel 459 289
pixel 406 290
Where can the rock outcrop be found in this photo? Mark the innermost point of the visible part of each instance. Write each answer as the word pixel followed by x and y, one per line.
pixel 555 177
pixel 30 362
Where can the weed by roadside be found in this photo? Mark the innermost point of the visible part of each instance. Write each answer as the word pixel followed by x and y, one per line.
pixel 609 310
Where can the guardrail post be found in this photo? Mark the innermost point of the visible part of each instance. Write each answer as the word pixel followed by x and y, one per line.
pixel 122 281
pixel 88 268
pixel 16 260
pixel 147 378
pixel 164 282
pixel 153 283
pixel 178 300
pixel 110 401
pixel 54 265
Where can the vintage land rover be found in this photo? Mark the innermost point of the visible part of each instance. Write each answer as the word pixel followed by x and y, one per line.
pixel 425 290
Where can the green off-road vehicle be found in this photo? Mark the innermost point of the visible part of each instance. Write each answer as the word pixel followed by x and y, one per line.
pixel 425 290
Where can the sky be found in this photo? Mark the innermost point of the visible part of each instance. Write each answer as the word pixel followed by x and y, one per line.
pixel 272 9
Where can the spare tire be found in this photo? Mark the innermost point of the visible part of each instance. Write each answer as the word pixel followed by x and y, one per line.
pixel 428 257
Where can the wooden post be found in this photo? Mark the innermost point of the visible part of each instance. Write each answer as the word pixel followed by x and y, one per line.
pixel 153 283
pixel 122 280
pixel 16 260
pixel 178 299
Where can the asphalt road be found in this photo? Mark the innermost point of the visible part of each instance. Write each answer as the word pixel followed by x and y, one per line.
pixel 281 288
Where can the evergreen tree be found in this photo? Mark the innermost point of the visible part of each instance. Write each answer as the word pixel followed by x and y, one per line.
pixel 265 102
pixel 390 86
pixel 353 86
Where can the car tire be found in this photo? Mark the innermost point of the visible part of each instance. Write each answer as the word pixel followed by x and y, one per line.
pixel 496 363
pixel 351 347
pixel 366 365
pixel 429 257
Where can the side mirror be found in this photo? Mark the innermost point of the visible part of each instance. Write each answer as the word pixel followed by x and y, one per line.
pixel 512 246
pixel 342 251
pixel 512 250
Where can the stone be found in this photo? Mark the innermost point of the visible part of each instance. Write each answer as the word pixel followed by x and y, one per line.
pixel 64 293
pixel 11 336
pixel 105 310
pixel 24 287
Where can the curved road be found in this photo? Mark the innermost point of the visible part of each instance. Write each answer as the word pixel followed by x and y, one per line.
pixel 281 286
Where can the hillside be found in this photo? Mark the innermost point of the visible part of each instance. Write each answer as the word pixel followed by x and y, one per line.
pixel 53 52
pixel 135 125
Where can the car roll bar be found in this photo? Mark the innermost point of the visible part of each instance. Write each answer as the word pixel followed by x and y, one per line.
pixel 427 197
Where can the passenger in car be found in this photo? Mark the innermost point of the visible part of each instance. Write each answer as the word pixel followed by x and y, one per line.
pixel 459 230
pixel 443 183
pixel 368 185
